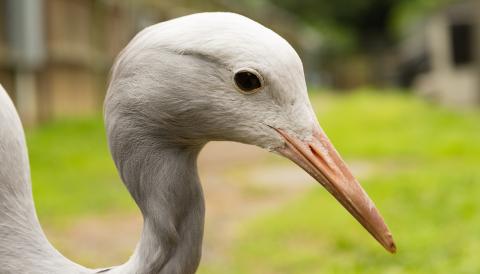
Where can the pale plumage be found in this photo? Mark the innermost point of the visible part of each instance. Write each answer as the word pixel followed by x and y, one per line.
pixel 172 90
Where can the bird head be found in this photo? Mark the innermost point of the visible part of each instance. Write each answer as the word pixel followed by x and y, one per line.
pixel 222 76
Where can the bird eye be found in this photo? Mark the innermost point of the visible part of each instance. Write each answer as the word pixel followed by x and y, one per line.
pixel 247 81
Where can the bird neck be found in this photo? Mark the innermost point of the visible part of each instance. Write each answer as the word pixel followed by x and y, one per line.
pixel 164 182
pixel 24 247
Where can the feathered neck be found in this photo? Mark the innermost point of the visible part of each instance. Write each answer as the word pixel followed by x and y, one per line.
pixel 163 180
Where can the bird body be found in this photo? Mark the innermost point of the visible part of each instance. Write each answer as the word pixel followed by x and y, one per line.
pixel 176 86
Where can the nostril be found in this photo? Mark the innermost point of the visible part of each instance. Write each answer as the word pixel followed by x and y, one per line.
pixel 320 158
pixel 312 150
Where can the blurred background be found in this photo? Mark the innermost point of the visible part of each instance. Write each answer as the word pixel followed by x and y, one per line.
pixel 396 86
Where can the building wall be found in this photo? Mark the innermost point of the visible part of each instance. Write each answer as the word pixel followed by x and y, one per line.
pixel 81 38
pixel 68 77
pixel 447 82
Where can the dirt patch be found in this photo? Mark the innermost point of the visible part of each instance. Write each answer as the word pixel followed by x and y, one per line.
pixel 97 241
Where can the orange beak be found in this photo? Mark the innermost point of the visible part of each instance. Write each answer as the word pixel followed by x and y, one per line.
pixel 320 159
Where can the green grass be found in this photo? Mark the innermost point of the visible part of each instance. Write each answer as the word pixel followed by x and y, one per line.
pixel 426 182
pixel 72 171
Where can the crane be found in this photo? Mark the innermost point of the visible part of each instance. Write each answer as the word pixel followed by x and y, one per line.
pixel 176 86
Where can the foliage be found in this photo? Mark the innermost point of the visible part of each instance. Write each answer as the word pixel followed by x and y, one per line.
pixel 408 12
pixel 360 20
pixel 359 25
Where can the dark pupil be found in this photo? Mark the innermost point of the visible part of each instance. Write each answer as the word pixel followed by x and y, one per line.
pixel 247 81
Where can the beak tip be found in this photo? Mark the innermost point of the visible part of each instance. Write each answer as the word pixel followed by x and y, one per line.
pixel 392 248
pixel 390 245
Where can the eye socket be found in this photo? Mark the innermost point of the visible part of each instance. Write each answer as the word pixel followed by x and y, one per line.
pixel 247 81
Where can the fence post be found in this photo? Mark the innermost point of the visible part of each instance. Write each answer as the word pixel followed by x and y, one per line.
pixel 25 32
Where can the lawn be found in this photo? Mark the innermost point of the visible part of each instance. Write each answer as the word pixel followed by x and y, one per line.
pixel 422 173
pixel 72 171
pixel 425 180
